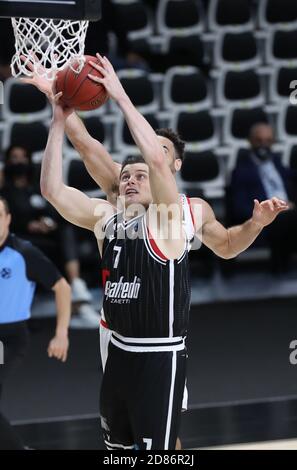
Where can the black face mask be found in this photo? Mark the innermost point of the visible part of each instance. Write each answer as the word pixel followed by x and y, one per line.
pixel 15 170
pixel 262 152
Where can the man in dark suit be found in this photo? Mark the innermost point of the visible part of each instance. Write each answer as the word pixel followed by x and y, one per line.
pixel 260 174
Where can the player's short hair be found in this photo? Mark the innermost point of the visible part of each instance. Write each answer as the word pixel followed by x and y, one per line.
pixel 131 160
pixel 5 204
pixel 179 144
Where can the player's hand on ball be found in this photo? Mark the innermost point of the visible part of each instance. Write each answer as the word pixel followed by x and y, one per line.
pixel 266 211
pixel 43 85
pixel 109 78
pixel 58 347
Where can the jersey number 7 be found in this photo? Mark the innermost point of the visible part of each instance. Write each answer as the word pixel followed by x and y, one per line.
pixel 117 258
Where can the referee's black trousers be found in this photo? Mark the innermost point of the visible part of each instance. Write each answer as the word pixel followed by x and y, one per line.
pixel 14 337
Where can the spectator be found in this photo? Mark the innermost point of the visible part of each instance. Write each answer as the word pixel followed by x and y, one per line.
pixel 259 174
pixel 34 219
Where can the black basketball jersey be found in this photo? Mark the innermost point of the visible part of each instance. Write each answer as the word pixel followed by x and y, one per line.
pixel 146 295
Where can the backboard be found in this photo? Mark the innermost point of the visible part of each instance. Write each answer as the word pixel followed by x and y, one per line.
pixel 55 9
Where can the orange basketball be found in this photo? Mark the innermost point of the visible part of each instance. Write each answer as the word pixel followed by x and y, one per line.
pixel 79 91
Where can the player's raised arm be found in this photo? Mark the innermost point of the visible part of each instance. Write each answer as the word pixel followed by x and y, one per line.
pixel 163 184
pixel 96 158
pixel 72 204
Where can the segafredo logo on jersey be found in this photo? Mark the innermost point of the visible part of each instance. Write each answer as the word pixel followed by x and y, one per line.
pixel 123 290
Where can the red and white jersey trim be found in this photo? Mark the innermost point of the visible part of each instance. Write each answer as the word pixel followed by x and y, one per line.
pixel 188 218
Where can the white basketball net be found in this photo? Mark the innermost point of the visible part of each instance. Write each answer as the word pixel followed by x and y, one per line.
pixel 48 44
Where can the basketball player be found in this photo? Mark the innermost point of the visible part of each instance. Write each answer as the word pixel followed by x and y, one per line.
pixel 125 404
pixel 145 373
pixel 105 332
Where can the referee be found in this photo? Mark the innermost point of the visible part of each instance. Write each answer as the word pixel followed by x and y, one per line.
pixel 22 266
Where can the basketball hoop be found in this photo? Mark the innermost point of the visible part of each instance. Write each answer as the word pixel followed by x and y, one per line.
pixel 49 44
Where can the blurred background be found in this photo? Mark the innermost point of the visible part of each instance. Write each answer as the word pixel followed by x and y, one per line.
pixel 221 73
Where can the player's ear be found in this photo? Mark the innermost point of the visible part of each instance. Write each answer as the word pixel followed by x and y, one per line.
pixel 177 164
pixel 9 219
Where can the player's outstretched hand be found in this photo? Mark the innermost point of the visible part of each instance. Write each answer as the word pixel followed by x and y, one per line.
pixel 109 78
pixel 266 211
pixel 58 347
pixel 44 85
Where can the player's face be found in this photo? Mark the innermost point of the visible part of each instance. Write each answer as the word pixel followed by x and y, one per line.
pixel 170 155
pixel 135 184
pixel 4 222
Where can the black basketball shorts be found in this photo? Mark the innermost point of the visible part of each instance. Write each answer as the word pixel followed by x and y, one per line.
pixel 142 392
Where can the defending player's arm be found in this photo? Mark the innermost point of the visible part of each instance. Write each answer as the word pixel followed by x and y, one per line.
pixel 72 204
pixel 163 184
pixel 97 160
pixel 228 243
